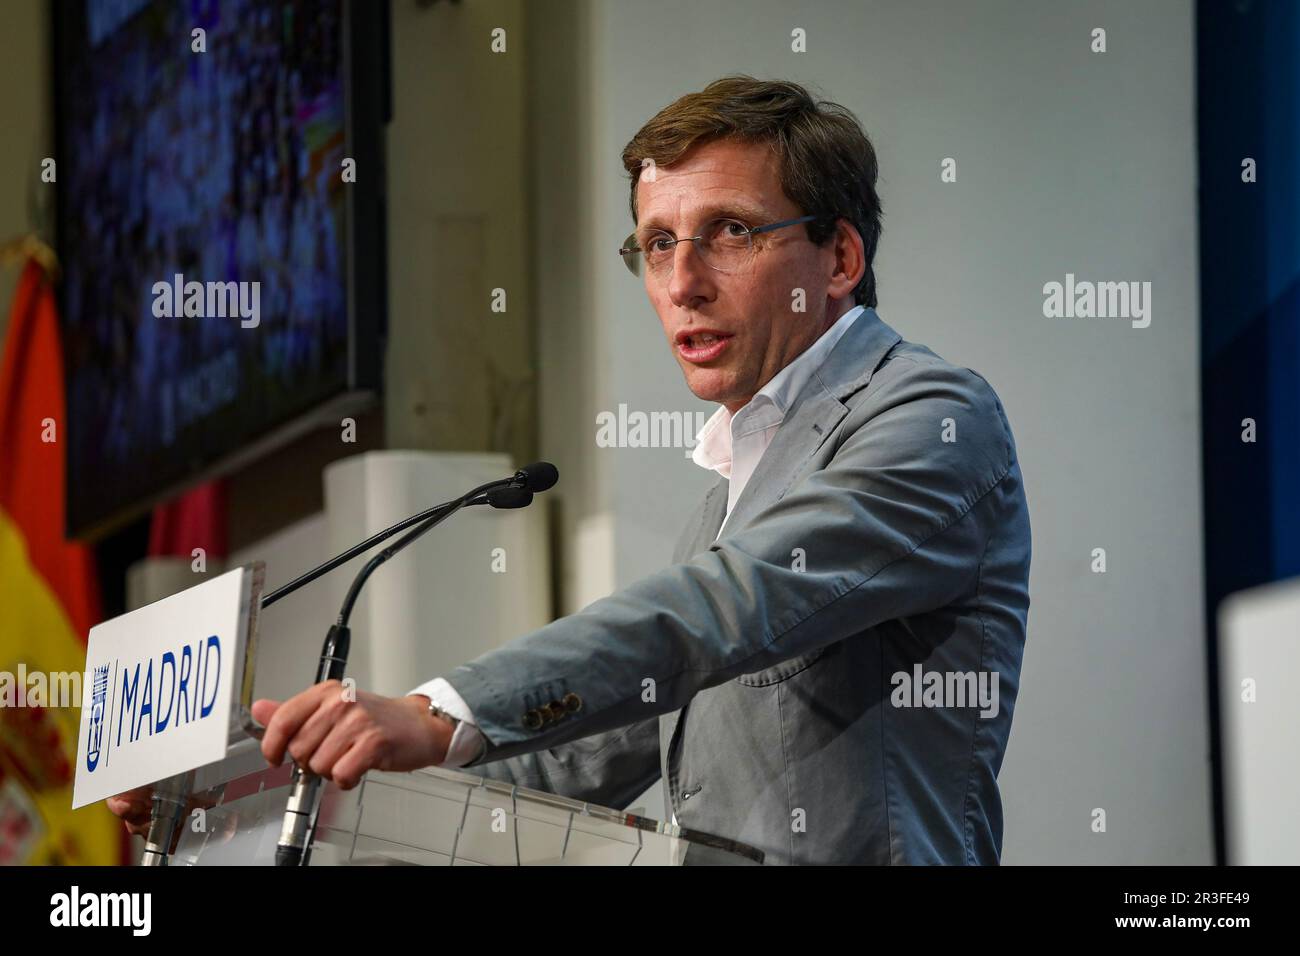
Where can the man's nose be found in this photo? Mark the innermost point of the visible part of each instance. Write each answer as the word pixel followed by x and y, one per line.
pixel 692 279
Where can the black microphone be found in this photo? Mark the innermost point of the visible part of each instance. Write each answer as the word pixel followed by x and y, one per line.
pixel 539 476
pixel 299 828
pixel 509 498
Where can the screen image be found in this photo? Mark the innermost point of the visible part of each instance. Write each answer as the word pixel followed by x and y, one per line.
pixel 203 233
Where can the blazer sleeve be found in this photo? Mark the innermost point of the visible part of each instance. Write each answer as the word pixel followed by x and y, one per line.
pixel 895 524
pixel 610 769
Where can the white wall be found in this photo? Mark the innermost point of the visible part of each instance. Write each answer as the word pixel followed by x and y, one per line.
pixel 1068 161
pixel 459 376
pixel 468 586
pixel 471 584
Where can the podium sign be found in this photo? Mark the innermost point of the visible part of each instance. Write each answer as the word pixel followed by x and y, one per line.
pixel 168 687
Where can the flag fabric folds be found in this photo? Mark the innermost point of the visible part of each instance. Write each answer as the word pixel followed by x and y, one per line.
pixel 49 599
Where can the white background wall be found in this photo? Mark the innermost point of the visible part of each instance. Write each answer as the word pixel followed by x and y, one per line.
pixel 1068 161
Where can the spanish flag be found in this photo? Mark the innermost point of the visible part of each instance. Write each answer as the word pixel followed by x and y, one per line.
pixel 49 598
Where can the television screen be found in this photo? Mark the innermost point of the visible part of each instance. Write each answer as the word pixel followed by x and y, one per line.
pixel 206 233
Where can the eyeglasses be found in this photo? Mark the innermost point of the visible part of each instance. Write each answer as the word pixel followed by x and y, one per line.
pixel 725 245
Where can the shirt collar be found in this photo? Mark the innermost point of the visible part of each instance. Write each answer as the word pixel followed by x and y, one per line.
pixel 769 404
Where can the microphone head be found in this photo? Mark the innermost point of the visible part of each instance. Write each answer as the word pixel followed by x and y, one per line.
pixel 508 497
pixel 537 477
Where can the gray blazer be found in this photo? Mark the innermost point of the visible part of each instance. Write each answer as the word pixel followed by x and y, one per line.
pixel 774 677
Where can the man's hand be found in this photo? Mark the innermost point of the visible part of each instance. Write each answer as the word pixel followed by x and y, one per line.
pixel 340 739
pixel 134 808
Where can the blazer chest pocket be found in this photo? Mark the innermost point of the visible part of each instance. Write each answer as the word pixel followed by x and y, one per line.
pixel 785 670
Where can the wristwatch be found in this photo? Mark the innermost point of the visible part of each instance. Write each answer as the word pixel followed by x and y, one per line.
pixel 436 711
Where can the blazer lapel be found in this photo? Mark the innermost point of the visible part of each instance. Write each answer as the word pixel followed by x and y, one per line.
pixel 694 540
pixel 815 413
pixel 811 418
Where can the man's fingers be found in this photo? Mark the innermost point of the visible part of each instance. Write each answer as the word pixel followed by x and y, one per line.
pixel 338 740
pixel 354 762
pixel 264 710
pixel 315 729
pixel 128 809
pixel 133 806
pixel 139 795
pixel 132 816
pixel 287 718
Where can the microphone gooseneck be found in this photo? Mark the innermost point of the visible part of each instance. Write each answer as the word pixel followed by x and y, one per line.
pixel 299 828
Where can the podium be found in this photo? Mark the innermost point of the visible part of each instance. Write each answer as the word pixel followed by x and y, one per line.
pixel 215 801
pixel 436 817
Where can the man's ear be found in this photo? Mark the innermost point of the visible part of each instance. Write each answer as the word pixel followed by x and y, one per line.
pixel 850 260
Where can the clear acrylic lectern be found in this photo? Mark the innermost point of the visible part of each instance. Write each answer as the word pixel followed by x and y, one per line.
pixel 437 817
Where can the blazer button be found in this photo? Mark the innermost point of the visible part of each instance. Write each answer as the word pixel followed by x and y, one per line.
pixel 572 703
pixel 557 710
pixel 533 720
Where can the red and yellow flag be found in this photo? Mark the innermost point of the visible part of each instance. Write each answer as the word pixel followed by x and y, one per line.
pixel 49 598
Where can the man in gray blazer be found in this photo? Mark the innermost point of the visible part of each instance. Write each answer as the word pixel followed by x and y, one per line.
pixel 828 668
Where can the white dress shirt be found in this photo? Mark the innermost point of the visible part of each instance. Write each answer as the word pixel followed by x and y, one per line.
pixel 731 445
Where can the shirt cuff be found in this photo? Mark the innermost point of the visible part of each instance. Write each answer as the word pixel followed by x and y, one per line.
pixel 467 741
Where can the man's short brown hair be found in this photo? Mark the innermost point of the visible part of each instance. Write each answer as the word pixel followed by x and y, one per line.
pixel 828 166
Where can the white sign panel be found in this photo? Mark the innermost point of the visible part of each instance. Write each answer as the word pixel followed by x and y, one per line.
pixel 167 686
pixel 1259 711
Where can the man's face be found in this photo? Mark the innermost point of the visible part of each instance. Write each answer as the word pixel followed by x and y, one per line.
pixel 750 312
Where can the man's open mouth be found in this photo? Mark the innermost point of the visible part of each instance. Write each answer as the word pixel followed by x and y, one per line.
pixel 703 346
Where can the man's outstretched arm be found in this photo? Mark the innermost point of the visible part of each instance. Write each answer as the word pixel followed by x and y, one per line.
pixel 894 525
